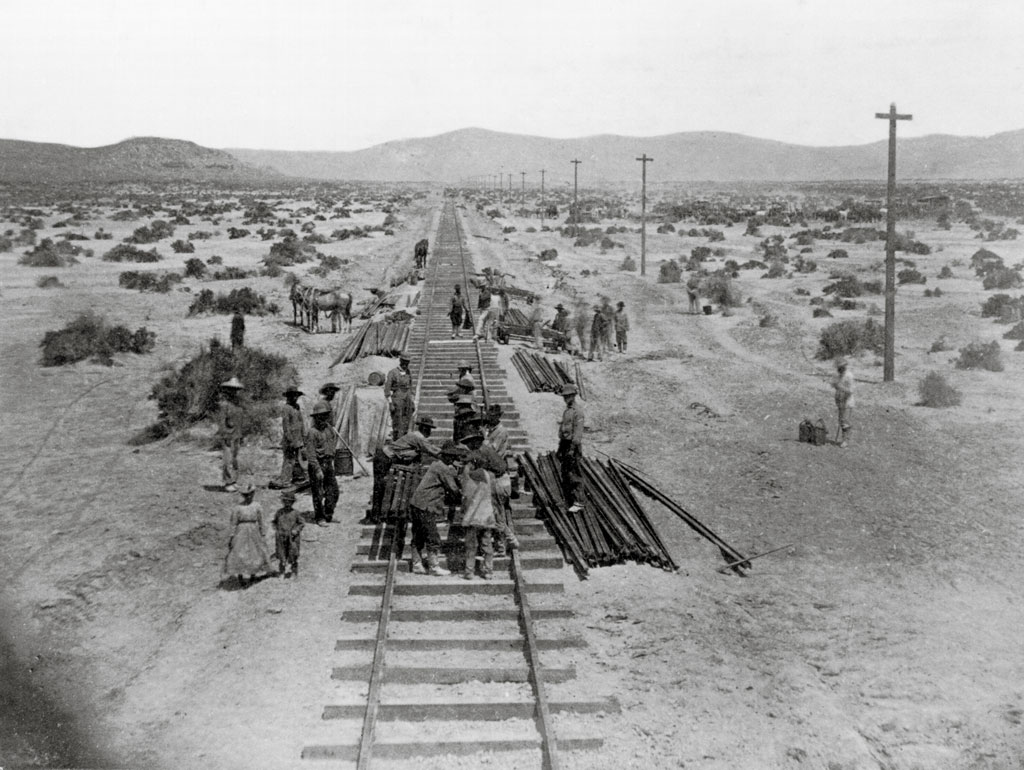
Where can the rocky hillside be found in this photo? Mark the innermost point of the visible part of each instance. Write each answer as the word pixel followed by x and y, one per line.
pixel 143 159
pixel 480 154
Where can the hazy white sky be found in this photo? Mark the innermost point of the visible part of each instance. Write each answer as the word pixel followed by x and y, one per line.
pixel 344 75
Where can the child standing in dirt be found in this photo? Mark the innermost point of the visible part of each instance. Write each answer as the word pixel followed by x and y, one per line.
pixel 288 526
pixel 842 384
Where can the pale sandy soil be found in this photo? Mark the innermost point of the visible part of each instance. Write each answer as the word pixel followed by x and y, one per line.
pixel 887 636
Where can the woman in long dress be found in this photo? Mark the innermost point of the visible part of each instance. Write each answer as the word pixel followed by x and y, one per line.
pixel 248 554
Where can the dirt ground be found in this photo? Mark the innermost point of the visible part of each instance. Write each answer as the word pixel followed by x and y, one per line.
pixel 886 635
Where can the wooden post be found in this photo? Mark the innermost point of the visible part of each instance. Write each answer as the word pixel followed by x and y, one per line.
pixel 888 370
pixel 643 215
pixel 522 191
pixel 542 199
pixel 575 197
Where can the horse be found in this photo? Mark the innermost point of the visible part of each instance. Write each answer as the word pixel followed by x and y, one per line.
pixel 421 253
pixel 331 301
pixel 298 303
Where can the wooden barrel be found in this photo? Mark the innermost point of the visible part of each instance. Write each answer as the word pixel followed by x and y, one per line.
pixel 343 462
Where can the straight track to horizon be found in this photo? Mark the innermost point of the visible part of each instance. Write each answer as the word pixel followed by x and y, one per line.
pixel 456 665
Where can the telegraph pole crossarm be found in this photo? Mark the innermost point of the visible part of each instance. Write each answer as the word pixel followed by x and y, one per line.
pixel 643 215
pixel 888 371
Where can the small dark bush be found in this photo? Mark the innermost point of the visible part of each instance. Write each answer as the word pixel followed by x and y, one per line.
pixel 846 338
pixel 753 264
pixel 155 231
pixel 183 247
pixel 244 299
pixel 845 286
pixel 237 232
pixel 801 292
pixel 194 268
pixel 993 306
pixel 945 272
pixel 102 235
pixel 940 345
pixel 838 254
pixel 232 274
pixel 147 281
pixel 215 260
pixel 669 272
pixel 979 355
pixel 548 254
pixel 935 392
pixel 628 264
pixel 1001 278
pixel 910 275
pixel 776 270
pixel 720 290
pixel 820 312
pixel 200 235
pixel 50 254
pixel 125 253
pixel 768 321
pixel 89 336
pixel 49 282
pixel 1016 333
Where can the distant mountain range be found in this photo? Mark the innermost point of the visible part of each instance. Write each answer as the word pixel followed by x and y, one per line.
pixel 713 156
pixel 475 154
pixel 142 159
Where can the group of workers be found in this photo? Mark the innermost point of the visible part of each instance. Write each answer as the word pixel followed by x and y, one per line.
pixel 594 331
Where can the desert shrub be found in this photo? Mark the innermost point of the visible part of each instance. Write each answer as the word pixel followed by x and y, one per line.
pixel 753 264
pixel 846 338
pixel 805 265
pixel 548 254
pixel 155 231
pixel 993 306
pixel 668 227
pixel 720 289
pixel 216 259
pixel 820 312
pixel 390 221
pixel 767 321
pixel 940 345
pixel 200 235
pixel 183 247
pixel 1020 346
pixel 1016 333
pixel 937 292
pixel 979 355
pixel 192 393
pixel 669 272
pixel 237 232
pixel 50 254
pixel 315 238
pixel 838 254
pixel 102 235
pixel 984 261
pixel 628 264
pixel 945 272
pixel 845 286
pixel 244 299
pixel 49 282
pixel 89 336
pixel 608 243
pixel 801 292
pixel 776 270
pixel 6 244
pixel 194 268
pixel 1001 278
pixel 910 275
pixel 148 281
pixel 531 229
pixel 126 253
pixel 700 253
pixel 232 274
pixel 935 392
pixel 289 251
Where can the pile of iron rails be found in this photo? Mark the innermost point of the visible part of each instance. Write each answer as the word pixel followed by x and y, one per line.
pixel 399 486
pixel 540 373
pixel 377 338
pixel 612 527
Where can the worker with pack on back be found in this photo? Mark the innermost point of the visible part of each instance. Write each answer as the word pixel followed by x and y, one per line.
pixel 414 448
pixel 438 489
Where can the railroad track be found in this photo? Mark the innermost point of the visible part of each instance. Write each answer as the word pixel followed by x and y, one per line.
pixel 455 667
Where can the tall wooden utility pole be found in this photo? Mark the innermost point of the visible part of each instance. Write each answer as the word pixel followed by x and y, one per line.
pixel 510 189
pixel 542 198
pixel 575 197
pixel 643 215
pixel 523 191
pixel 888 370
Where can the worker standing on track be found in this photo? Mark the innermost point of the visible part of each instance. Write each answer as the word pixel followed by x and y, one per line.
pixel 497 439
pixel 230 420
pixel 478 518
pixel 458 312
pixel 438 489
pixel 321 446
pixel 293 439
pixel 414 448
pixel 570 450
pixel 398 390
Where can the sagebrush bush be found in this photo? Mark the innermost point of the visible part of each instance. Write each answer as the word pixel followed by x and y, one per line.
pixel 1016 333
pixel 628 265
pixel 126 253
pixel 993 306
pixel 50 254
pixel 89 336
pixel 192 393
pixel 244 299
pixel 945 272
pixel 155 231
pixel 940 345
pixel 49 282
pixel 847 338
pixel 669 272
pixel 148 281
pixel 720 289
pixel 194 268
pixel 935 392
pixel 909 275
pixel 979 355
pixel 1002 278
pixel 183 247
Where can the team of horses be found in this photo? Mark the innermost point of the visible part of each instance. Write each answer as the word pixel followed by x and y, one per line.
pixel 309 302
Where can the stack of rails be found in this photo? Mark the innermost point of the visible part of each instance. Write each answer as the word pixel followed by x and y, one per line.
pixel 399 487
pixel 612 528
pixel 377 338
pixel 541 373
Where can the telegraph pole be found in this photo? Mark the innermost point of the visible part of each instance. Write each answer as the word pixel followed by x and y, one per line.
pixel 542 198
pixel 575 198
pixel 523 192
pixel 643 215
pixel 510 189
pixel 888 370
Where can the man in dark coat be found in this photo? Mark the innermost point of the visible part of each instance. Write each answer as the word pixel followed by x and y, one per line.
pixel 570 449
pixel 293 439
pixel 321 446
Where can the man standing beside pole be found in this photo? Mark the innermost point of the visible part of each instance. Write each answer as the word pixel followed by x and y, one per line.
pixel 398 390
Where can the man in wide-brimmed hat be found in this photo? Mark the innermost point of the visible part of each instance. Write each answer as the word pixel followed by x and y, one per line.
pixel 327 392
pixel 321 447
pixel 230 420
pixel 293 439
pixel 398 391
pixel 438 489
pixel 570 449
pixel 414 448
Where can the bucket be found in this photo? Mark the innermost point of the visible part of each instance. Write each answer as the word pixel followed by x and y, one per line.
pixel 707 310
pixel 343 462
